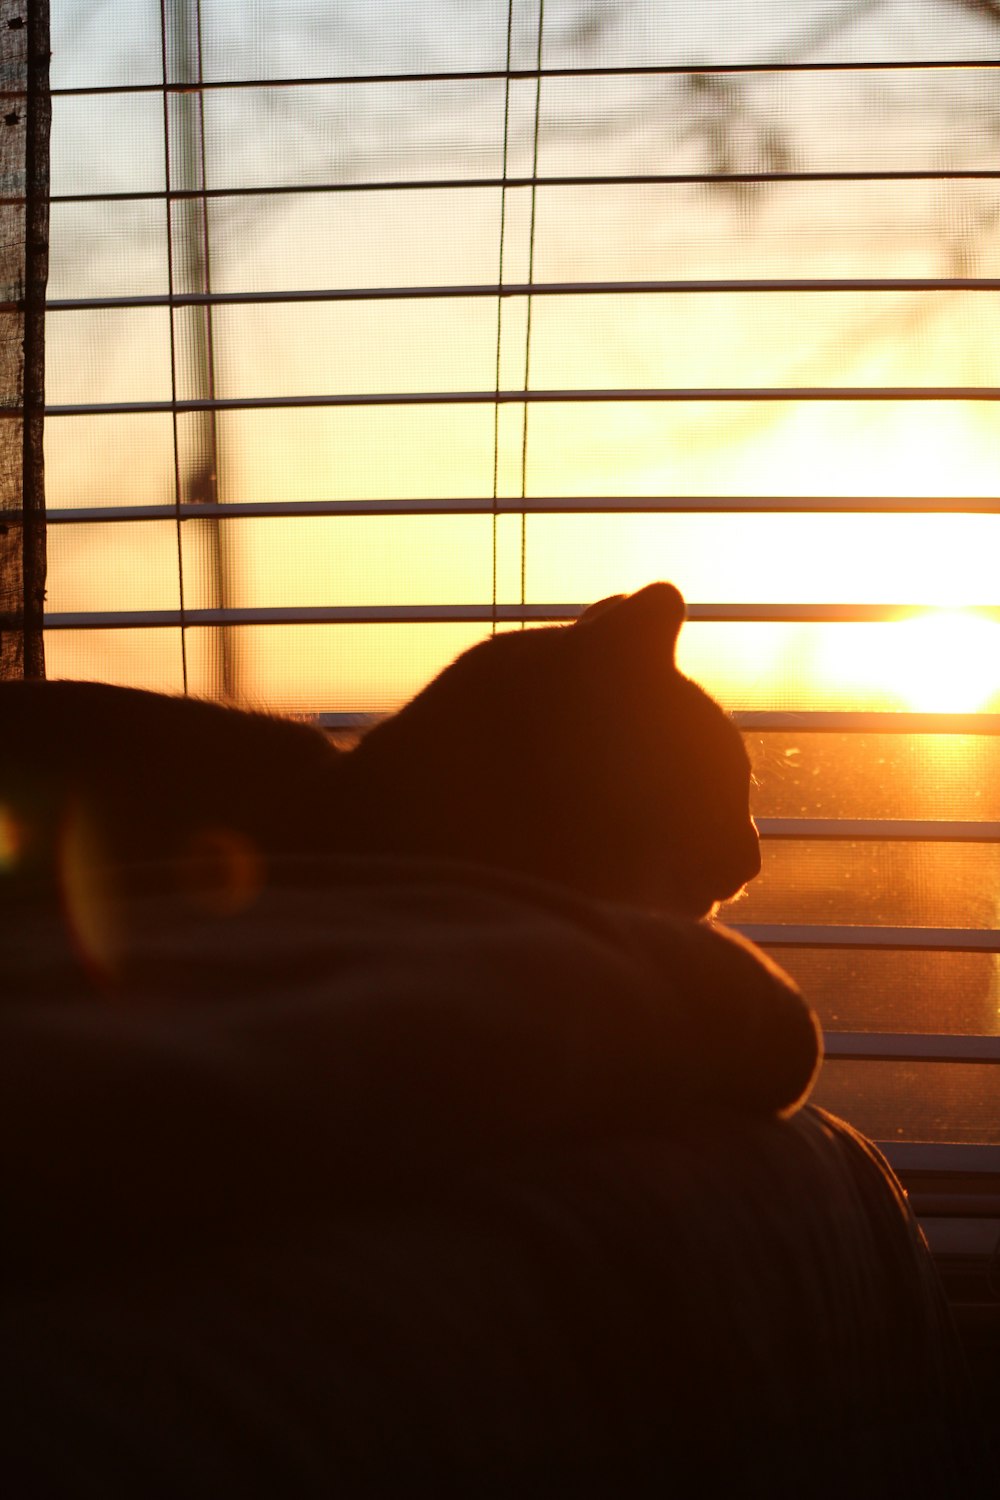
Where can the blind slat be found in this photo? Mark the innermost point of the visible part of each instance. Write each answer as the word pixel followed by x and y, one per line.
pixel 500 75
pixel 529 505
pixel 816 721
pixel 924 830
pixel 884 1046
pixel 533 289
pixel 936 939
pixel 583 179
pixel 574 395
pixel 486 613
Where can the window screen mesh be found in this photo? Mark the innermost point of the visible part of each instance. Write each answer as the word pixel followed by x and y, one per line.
pixel 465 314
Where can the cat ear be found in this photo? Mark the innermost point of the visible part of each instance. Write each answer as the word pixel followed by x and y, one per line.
pixel 599 607
pixel 657 609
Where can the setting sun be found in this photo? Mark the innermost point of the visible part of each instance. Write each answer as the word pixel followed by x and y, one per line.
pixel 944 661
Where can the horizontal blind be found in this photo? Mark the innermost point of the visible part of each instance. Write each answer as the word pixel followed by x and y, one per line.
pixel 368 338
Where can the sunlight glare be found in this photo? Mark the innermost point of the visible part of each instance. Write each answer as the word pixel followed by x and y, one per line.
pixel 943 661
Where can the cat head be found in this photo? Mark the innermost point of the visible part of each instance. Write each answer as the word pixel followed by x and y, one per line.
pixel 575 753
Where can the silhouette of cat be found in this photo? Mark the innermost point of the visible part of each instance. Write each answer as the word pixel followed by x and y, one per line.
pixel 578 754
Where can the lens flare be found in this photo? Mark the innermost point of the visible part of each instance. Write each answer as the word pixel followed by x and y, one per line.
pixel 90 898
pixel 12 840
pixel 222 871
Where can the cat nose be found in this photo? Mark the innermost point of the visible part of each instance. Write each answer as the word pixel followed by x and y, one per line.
pixel 743 867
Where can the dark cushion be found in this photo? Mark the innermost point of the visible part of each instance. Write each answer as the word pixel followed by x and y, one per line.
pixel 399 1177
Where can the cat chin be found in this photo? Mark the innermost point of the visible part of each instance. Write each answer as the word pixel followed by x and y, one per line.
pixel 718 911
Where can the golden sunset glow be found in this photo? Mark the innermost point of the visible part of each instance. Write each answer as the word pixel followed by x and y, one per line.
pixel 590 235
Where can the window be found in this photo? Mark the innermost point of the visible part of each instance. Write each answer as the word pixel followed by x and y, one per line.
pixel 375 327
